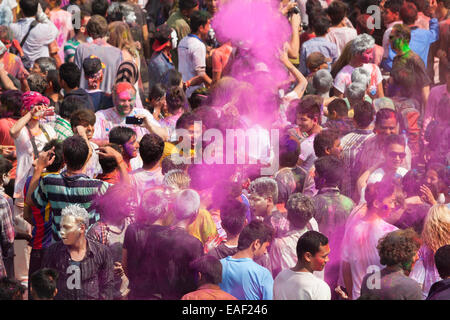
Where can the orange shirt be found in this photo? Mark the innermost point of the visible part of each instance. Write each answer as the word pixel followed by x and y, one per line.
pixel 208 291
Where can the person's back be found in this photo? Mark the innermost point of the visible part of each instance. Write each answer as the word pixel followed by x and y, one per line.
pixel 441 290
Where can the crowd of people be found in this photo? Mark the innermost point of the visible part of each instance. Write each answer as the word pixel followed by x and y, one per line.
pixel 103 196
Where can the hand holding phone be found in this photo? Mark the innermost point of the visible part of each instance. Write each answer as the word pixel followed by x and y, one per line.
pixel 134 120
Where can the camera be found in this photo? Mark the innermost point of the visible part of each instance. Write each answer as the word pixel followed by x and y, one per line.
pixel 133 120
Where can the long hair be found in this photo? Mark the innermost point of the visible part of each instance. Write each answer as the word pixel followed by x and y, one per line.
pixel 436 229
pixel 343 60
pixel 120 37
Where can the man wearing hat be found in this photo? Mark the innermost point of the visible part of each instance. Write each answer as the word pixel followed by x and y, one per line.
pixel 93 73
pixel 161 61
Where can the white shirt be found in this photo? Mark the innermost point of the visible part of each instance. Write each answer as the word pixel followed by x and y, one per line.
pixel 307 153
pixel 143 180
pixel 36 45
pixel 344 77
pixel 93 168
pixel 191 59
pixel 291 285
pixel 377 176
pixel 340 37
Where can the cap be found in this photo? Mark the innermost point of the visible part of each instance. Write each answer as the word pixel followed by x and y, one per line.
pixel 383 103
pixel 162 37
pixel 315 60
pixel 92 65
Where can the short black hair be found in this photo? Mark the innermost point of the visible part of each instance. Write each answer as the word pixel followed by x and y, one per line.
pixel 12 100
pixel 364 113
pixel 394 139
pixel 310 108
pixel 198 98
pixel 37 83
pixel 46 64
pixel 157 92
pixel 10 288
pixel 408 13
pixel 255 230
pixel 442 261
pixel 121 135
pixel 300 209
pixel 52 77
pixel 385 114
pixel 394 5
pixel 187 4
pixel 44 282
pixel 110 164
pixel 313 7
pixel 337 10
pixel 75 151
pixel 311 241
pixel 173 78
pixel 71 74
pixel 100 7
pixel 186 120
pixel 82 117
pixel 176 99
pixel 330 170
pixel 5 166
pixel 198 18
pixel 58 163
pixel 289 151
pixel 232 216
pixel 209 267
pixel 339 106
pixel 151 149
pixel 71 104
pixel 379 191
pixel 325 140
pixel 320 24
pixel 29 7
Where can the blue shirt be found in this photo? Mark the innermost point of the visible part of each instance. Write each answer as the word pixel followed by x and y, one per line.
pixel 318 44
pixel 246 280
pixel 421 40
pixel 157 68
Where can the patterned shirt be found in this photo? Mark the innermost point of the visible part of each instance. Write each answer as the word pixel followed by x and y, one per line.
pixel 63 129
pixel 69 49
pixel 343 126
pixel 61 190
pixel 6 231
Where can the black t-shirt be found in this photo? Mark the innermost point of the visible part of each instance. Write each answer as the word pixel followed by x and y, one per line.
pixel 222 251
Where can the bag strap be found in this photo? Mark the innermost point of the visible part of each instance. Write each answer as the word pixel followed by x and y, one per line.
pixel 34 23
pixel 33 143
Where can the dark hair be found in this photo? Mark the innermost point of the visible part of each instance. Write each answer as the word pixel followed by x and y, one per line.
pixel 408 13
pixel 385 114
pixel 12 99
pixel 121 135
pixel 100 7
pixel 209 267
pixel 394 5
pixel 310 108
pixel 58 163
pixel 176 99
pixel 82 117
pixel 398 247
pixel 197 19
pixel 173 78
pixel 394 139
pixel 208 116
pixel 442 261
pixel 71 74
pixel 168 163
pixel 337 10
pixel 75 151
pixel 255 230
pixel 70 105
pixel 44 282
pixel 187 4
pixel 198 98
pixel 37 83
pixel 364 113
pixel 379 191
pixel 157 92
pixel 29 7
pixel 46 64
pixel 97 27
pixel 339 106
pixel 5 166
pixel 411 183
pixel 224 190
pixel 52 76
pixel 330 170
pixel 311 241
pixel 313 6
pixel 151 149
pixel 300 209
pixel 401 31
pixel 325 140
pixel 110 164
pixel 320 24
pixel 186 120
pixel 289 151
pixel 421 5
pixel 232 216
pixel 10 288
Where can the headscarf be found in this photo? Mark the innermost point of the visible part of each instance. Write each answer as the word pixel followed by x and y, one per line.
pixel 32 98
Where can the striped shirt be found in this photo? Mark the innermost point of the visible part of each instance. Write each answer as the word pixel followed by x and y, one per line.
pixel 61 190
pixel 6 230
pixel 63 129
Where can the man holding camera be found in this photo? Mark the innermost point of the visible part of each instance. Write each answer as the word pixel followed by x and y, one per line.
pixel 124 113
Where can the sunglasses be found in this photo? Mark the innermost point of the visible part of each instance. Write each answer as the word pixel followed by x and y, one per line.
pixel 394 155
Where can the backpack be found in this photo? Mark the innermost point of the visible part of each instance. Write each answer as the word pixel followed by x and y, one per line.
pixel 409 114
pixel 27 63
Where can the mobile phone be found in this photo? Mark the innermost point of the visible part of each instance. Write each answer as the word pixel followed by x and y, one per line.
pixel 133 120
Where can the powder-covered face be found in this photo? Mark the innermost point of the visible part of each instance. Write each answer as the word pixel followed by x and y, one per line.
pixel 432 178
pixel 367 56
pixel 320 259
pixel 125 102
pixel 70 230
pixel 305 123
pixel 395 153
pixel 387 127
pixel 131 147
pixel 258 205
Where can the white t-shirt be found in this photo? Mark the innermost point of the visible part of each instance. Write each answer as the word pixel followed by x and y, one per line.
pixel 143 180
pixel 93 168
pixel 344 77
pixel 25 155
pixel 191 59
pixel 340 36
pixel 307 153
pixel 291 285
pixel 359 248
pixel 377 176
